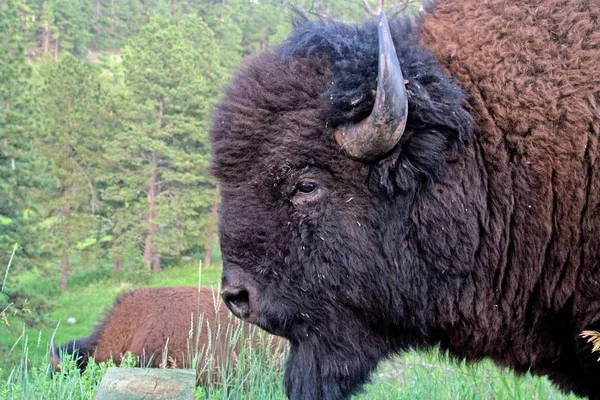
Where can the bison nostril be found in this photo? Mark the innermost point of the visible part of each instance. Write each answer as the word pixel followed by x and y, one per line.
pixel 238 301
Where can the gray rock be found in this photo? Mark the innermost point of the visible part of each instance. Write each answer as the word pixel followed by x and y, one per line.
pixel 148 384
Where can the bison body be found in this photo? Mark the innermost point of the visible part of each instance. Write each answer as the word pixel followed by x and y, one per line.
pixel 176 327
pixel 479 231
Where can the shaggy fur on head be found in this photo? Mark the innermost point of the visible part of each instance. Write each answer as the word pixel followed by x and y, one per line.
pixel 159 326
pixel 479 232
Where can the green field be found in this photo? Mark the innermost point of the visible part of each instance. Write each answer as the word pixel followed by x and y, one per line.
pixel 412 376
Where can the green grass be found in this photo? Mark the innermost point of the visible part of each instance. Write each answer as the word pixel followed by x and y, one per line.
pixel 413 376
pixel 25 369
pixel 256 375
pixel 433 375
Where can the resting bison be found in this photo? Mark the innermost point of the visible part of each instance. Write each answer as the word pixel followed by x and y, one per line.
pixel 445 193
pixel 145 321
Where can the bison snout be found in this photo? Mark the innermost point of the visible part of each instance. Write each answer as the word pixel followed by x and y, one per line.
pixel 239 292
pixel 237 299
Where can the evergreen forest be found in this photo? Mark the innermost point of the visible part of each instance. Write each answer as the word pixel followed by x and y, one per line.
pixel 104 111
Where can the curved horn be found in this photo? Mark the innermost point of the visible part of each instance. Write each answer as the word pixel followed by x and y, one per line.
pixel 380 132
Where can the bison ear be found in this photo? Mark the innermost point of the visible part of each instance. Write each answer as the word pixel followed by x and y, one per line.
pixel 382 129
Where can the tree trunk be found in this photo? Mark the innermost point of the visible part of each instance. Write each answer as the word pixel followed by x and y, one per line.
pixel 97 15
pixel 208 250
pixel 113 18
pixel 64 264
pixel 156 262
pixel 149 253
pixel 46 38
pixel 118 264
pixel 210 236
pixel 64 269
pixel 56 49
pixel 150 216
pixel 151 258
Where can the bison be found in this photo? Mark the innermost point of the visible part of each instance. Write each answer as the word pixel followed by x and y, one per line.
pixel 159 326
pixel 424 183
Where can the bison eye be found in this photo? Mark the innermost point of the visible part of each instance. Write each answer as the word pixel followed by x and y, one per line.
pixel 306 187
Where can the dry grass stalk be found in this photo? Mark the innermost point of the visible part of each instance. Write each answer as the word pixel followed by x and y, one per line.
pixel 593 337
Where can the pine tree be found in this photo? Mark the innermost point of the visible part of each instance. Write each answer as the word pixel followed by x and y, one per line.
pixel 18 164
pixel 72 106
pixel 73 22
pixel 173 74
pixel 226 21
pixel 48 29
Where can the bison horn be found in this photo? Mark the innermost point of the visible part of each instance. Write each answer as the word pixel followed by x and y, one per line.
pixel 380 131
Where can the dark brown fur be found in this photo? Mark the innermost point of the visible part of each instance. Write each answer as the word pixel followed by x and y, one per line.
pixel 532 73
pixel 159 327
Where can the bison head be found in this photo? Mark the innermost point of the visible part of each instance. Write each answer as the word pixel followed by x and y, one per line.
pixel 319 160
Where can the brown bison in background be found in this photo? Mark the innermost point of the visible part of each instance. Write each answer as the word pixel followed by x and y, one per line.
pixel 434 183
pixel 161 327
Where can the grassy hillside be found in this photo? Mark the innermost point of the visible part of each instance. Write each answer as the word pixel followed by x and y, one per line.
pixel 412 376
